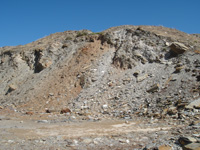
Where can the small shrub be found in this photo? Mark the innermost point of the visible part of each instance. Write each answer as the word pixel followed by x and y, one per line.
pixel 81 33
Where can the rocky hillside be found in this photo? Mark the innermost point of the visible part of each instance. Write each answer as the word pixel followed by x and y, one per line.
pixel 120 73
pixel 117 67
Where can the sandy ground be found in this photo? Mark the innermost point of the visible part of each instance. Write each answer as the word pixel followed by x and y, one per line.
pixel 56 132
pixel 33 129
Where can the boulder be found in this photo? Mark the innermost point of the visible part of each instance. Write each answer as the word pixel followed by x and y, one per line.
pixel 192 146
pixel 178 48
pixel 178 69
pixel 65 110
pixel 12 87
pixel 136 73
pixel 141 78
pixel 153 88
pixel 52 110
pixel 194 104
pixel 186 140
pixel 29 113
pixel 172 110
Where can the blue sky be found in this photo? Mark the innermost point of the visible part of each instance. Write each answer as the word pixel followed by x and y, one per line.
pixel 24 21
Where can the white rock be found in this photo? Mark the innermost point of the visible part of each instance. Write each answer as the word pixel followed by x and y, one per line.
pixel 105 106
pixel 51 94
pixel 167 44
pixel 87 141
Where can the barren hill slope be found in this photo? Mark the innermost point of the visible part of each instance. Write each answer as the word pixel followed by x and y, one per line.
pixel 120 73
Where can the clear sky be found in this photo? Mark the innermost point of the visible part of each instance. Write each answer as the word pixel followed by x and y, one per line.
pixel 24 21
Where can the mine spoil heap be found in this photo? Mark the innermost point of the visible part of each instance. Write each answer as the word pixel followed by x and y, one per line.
pixel 146 73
